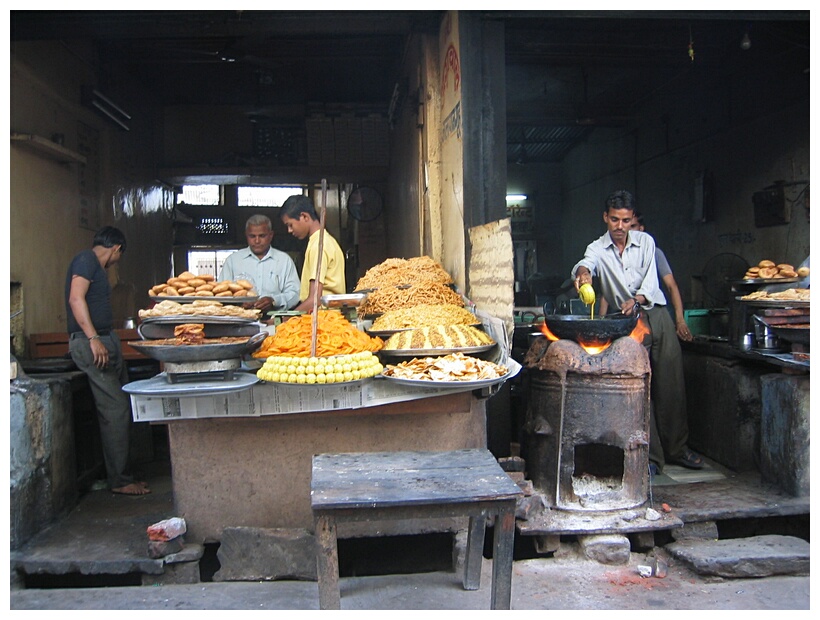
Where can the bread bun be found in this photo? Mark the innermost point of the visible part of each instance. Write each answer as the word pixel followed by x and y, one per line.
pixel 788 273
pixel 803 272
pixel 233 287
pixel 785 267
pixel 170 291
pixel 184 290
pixel 245 284
pixel 186 275
pixel 220 287
pixel 241 293
pixel 768 272
pixel 225 294
pixel 766 263
pixel 196 282
pixel 207 277
pixel 205 287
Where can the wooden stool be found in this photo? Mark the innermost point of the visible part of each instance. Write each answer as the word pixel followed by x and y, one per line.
pixel 415 485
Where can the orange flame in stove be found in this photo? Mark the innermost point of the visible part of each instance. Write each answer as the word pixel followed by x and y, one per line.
pixel 596 348
pixel 641 330
pixel 593 348
pixel 546 331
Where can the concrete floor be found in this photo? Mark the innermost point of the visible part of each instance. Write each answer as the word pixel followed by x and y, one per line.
pixel 570 583
pixel 106 534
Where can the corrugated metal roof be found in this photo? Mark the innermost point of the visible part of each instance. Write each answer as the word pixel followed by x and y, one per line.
pixel 547 144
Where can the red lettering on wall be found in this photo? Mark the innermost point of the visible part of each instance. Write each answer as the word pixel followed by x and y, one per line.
pixel 451 63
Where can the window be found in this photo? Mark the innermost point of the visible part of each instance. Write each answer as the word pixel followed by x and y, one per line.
pixel 206 195
pixel 207 261
pixel 248 196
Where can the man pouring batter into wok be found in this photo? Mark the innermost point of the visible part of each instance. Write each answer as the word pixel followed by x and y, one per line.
pixel 624 262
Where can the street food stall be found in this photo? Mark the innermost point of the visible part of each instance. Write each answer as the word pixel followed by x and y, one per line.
pixel 247 407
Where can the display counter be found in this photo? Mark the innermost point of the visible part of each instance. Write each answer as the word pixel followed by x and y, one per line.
pixel 243 458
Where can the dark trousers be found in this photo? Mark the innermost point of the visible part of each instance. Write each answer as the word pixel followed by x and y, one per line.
pixel 113 405
pixel 669 427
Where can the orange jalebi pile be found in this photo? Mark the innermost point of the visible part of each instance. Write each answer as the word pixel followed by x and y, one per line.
pixel 335 335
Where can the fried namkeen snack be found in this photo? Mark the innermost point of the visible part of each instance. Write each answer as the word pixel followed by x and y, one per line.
pixel 424 315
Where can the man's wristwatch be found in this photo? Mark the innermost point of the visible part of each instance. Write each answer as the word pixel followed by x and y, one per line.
pixel 94 337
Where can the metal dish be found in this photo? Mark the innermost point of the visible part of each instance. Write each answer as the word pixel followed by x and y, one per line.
pixel 161 386
pixel 436 352
pixel 199 352
pixel 766 281
pixel 178 319
pixel 777 303
pixel 386 333
pixel 450 384
pixel 352 300
pixel 223 300
pixel 213 329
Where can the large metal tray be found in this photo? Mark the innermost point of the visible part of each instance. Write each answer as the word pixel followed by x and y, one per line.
pixel 423 383
pixel 178 319
pixel 766 281
pixel 199 352
pixel 436 352
pixel 343 301
pixel 158 330
pixel 777 303
pixel 160 386
pixel 183 299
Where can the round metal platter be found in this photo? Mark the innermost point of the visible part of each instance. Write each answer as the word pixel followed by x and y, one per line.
pixel 449 384
pixel 386 333
pixel 777 303
pixel 223 300
pixel 766 281
pixel 436 352
pixel 160 386
pixel 178 319
pixel 198 352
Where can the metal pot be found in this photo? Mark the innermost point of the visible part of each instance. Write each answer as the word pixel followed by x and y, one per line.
pixel 591 331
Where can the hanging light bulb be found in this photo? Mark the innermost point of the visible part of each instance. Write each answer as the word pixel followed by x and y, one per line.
pixel 745 42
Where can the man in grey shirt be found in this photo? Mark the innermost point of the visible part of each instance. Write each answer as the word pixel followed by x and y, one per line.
pixel 624 261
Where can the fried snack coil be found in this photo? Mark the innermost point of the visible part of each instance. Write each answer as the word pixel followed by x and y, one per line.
pixel 394 297
pixel 424 315
pixel 396 271
pixel 335 335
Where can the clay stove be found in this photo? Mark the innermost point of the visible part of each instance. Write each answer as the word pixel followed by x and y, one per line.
pixel 587 424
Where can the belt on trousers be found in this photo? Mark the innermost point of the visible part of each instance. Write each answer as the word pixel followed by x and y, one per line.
pixel 101 332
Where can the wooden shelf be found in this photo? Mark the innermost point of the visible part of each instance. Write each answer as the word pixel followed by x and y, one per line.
pixel 47 148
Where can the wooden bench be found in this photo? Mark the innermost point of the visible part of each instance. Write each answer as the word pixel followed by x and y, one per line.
pixel 55 344
pixel 415 485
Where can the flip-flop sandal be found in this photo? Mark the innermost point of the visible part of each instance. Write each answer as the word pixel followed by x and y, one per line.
pixel 689 460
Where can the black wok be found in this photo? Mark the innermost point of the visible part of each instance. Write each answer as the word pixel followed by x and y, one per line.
pixel 599 330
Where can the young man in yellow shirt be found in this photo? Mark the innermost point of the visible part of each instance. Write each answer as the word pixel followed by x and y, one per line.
pixel 301 220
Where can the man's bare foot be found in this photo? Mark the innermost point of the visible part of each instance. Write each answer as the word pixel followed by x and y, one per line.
pixel 134 488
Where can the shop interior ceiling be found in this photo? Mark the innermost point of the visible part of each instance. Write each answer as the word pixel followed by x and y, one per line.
pixel 567 72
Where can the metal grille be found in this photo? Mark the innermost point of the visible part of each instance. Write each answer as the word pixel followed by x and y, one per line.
pixel 212 226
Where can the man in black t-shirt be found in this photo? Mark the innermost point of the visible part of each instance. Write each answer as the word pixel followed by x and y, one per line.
pixel 95 348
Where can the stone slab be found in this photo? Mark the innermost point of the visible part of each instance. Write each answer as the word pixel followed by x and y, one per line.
pixel 267 554
pixel 756 556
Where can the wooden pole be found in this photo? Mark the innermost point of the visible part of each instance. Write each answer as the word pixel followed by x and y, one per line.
pixel 314 324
